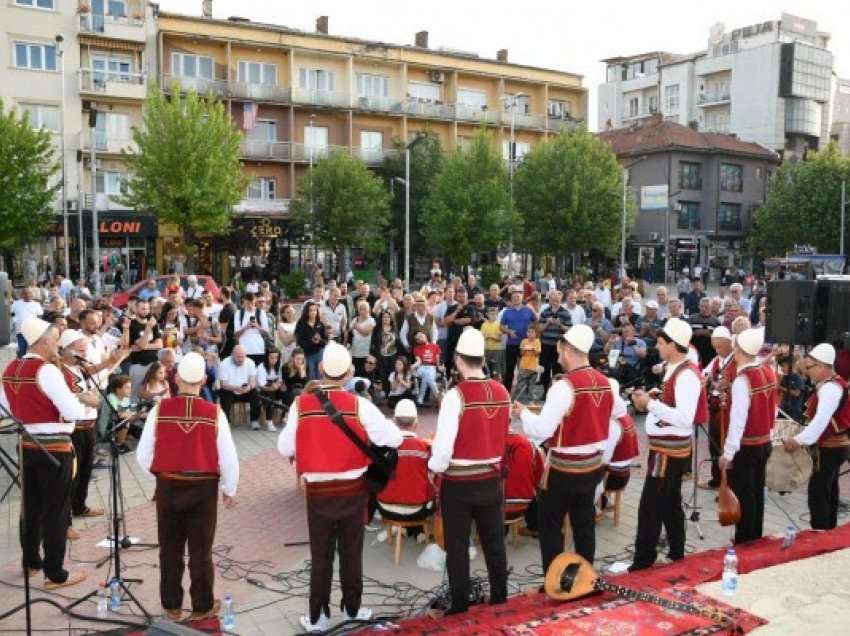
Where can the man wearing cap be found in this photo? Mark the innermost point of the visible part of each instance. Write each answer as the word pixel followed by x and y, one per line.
pixel 468 450
pixel 72 347
pixel 334 468
pixel 35 392
pixel 719 375
pixel 828 416
pixel 186 444
pixel 669 426
pixel 747 446
pixel 420 321
pixel 574 425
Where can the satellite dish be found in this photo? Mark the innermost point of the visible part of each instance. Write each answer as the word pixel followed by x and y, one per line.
pixel 716 32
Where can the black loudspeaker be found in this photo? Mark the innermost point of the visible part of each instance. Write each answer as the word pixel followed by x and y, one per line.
pixel 833 311
pixel 791 311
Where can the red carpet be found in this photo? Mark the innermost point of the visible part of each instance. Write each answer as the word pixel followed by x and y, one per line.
pixel 538 616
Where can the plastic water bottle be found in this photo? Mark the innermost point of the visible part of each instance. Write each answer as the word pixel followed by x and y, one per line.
pixel 730 573
pixel 228 618
pixel 114 594
pixel 790 536
pixel 102 601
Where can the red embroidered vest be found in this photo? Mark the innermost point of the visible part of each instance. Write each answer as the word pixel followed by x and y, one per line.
pixel 26 400
pixel 762 411
pixel 186 436
pixel 409 485
pixel 524 468
pixel 627 447
pixel 835 434
pixel 320 446
pixel 485 416
pixel 728 374
pixel 674 445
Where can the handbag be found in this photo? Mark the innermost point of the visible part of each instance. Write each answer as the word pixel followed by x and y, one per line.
pixel 384 459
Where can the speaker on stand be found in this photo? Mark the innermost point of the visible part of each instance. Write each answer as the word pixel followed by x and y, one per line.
pixel 791 311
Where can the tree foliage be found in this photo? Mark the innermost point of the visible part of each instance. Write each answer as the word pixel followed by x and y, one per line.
pixel 569 189
pixel 27 167
pixel 469 210
pixel 343 205
pixel 803 205
pixel 187 169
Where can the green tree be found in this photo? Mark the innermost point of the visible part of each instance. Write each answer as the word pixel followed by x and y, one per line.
pixel 187 169
pixel 343 205
pixel 569 190
pixel 27 167
pixel 803 205
pixel 469 210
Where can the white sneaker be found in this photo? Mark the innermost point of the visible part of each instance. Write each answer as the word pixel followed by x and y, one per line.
pixel 255 426
pixel 320 625
pixel 270 427
pixel 363 614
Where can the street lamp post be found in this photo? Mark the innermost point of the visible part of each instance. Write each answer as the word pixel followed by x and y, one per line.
pixel 623 214
pixel 511 160
pixel 93 161
pixel 843 206
pixel 407 150
pixel 67 253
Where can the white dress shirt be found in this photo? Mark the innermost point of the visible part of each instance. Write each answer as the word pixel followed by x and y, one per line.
pixel 721 362
pixel 738 413
pixel 379 430
pixel 23 309
pixel 829 396
pixel 405 328
pixel 541 426
pixel 681 417
pixel 52 383
pixel 228 461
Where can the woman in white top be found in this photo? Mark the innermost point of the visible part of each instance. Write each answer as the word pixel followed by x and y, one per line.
pixel 270 383
pixel 361 337
pixel 285 332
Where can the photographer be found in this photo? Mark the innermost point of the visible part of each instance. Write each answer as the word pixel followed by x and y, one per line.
pixel 632 354
pixel 145 341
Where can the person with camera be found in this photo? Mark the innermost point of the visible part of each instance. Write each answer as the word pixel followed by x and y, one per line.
pixel 669 426
pixel 334 468
pixel 186 443
pixel 575 424
pixel 251 329
pixel 632 352
pixel 467 452
pixel 237 376
pixel 145 342
pixel 752 411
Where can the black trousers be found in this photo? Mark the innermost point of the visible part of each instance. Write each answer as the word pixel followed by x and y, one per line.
pixel 186 513
pixel 714 449
pixel 823 487
pixel 462 502
pixel 84 447
pixel 511 357
pixel 567 494
pixel 549 361
pixel 661 504
pixel 746 478
pixel 46 501
pixel 336 523
pixel 227 398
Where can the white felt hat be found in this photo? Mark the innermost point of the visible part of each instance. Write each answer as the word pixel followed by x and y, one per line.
pixel 823 353
pixel 750 341
pixel 69 337
pixel 679 331
pixel 581 337
pixel 405 408
pixel 721 333
pixel 33 329
pixel 336 361
pixel 651 304
pixel 470 343
pixel 192 368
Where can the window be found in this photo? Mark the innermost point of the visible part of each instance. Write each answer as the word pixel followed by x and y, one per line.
pixel 521 149
pixel 263 130
pixel 39 57
pixel 653 106
pixel 42 116
pixel 257 73
pixel 731 177
pixel 689 176
pixel 671 99
pixel 110 182
pixel 36 4
pixel 475 99
pixel 373 85
pixel 633 106
pixel 315 79
pixel 110 68
pixel 729 217
pixel 558 109
pixel 262 188
pixel 316 140
pixel 422 91
pixel 371 145
pixel 463 142
pixel 111 127
pixel 688 215
pixel 189 65
pixel 117 8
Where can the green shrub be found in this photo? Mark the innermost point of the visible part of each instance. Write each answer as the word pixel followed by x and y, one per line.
pixel 293 284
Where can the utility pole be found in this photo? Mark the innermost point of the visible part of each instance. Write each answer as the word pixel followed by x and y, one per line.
pixel 67 252
pixel 93 164
pixel 623 221
pixel 511 161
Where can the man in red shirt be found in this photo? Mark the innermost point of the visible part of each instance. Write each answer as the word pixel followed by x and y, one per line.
pixel 427 356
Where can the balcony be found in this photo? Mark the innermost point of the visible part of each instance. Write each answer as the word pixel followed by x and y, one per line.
pixel 641 113
pixel 369 103
pixel 262 207
pixel 713 98
pixel 105 144
pixel 374 156
pixel 112 84
pixel 524 120
pixel 119 27
pixel 105 202
pixel 557 124
pixel 306 153
pixel 719 127
pixel 428 109
pixel 266 150
pixel 200 85
pixel 259 92
pixel 321 98
pixel 477 115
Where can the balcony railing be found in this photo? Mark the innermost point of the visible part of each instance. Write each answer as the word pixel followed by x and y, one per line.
pixel 641 113
pixel 270 207
pixel 259 92
pixel 377 104
pixel 123 27
pixel 374 156
pixel 104 201
pixel 320 98
pixel 256 149
pixel 559 123
pixel 722 128
pixel 524 120
pixel 306 152
pixel 105 143
pixel 478 115
pixel 113 83
pixel 200 85
pixel 713 97
pixel 428 109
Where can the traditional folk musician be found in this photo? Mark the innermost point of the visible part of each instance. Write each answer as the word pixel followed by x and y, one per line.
pixel 719 375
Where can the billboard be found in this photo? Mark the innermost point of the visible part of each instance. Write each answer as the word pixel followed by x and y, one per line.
pixel 654 197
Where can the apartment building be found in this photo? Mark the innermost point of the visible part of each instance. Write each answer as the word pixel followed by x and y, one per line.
pixel 767 83
pixel 300 95
pixel 841 115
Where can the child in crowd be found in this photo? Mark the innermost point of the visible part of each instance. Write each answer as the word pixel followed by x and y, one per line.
pixel 118 408
pixel 401 382
pixel 155 384
pixel 494 348
pixel 529 363
pixel 208 391
pixel 427 356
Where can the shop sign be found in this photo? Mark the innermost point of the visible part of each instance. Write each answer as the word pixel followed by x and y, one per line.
pixel 120 227
pixel 265 230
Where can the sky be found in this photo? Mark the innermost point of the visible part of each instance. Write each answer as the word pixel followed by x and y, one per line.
pixel 564 35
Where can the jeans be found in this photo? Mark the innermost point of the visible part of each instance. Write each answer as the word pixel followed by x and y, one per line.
pixel 22 346
pixel 427 375
pixel 313 361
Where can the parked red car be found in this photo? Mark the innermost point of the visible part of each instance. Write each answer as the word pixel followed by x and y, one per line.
pixel 121 299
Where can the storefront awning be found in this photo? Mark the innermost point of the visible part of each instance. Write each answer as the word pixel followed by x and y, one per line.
pixel 108 43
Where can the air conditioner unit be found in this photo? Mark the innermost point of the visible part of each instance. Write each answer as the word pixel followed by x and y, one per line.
pixel 653 236
pixel 438 77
